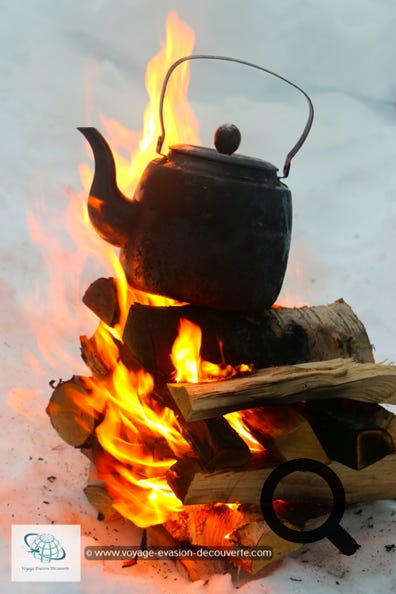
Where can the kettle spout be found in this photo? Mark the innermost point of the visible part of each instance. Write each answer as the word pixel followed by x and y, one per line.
pixel 111 213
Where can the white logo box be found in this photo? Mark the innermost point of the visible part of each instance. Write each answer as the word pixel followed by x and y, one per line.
pixel 45 552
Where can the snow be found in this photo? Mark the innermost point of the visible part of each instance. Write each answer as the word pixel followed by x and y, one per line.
pixel 344 192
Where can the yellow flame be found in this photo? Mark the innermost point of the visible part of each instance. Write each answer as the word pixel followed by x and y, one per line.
pixel 187 360
pixel 139 437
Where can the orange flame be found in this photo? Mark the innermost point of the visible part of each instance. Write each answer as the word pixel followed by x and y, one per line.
pixel 191 368
pixel 181 123
pixel 187 360
pixel 139 437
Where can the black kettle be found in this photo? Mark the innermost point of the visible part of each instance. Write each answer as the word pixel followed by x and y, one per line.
pixel 205 226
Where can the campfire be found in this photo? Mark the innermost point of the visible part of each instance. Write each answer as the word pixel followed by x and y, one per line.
pixel 196 394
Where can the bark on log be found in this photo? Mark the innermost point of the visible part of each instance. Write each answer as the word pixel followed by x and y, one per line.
pixel 194 485
pixel 279 336
pixel 338 378
pixel 351 432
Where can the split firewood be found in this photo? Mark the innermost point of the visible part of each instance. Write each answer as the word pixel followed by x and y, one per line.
pixel 338 378
pixel 71 412
pixel 351 432
pixel 96 358
pixel 215 442
pixel 278 336
pixel 194 485
pixel 284 432
pixel 102 298
pixel 92 358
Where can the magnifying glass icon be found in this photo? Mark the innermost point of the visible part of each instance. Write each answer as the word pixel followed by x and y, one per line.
pixel 331 528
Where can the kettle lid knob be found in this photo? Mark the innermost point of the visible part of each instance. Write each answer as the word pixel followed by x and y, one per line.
pixel 227 139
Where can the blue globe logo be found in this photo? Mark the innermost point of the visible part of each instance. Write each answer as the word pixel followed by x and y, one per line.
pixel 44 547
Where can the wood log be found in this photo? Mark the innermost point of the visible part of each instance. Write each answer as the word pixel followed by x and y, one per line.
pixel 102 298
pixel 279 336
pixel 215 442
pixel 98 496
pixel 95 357
pixel 71 413
pixel 194 485
pixel 338 378
pixel 101 501
pixel 284 432
pixel 351 432
pixel 91 357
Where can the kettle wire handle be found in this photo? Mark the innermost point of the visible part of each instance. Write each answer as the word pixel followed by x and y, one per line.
pixel 300 141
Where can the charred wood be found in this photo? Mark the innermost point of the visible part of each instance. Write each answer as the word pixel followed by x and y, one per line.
pixel 351 432
pixel 279 336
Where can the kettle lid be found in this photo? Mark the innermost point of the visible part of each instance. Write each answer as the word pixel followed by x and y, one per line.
pixel 210 161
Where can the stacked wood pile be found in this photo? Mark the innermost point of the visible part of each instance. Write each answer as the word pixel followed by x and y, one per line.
pixel 316 393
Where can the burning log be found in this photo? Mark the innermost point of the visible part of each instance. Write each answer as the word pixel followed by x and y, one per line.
pixel 279 336
pixel 71 413
pixel 351 432
pixel 194 485
pixel 92 358
pixel 284 432
pixel 338 378
pixel 98 496
pixel 215 442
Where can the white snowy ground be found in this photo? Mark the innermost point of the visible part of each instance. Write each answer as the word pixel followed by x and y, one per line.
pixel 344 191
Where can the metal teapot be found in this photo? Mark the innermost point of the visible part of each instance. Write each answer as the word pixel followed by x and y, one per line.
pixel 205 226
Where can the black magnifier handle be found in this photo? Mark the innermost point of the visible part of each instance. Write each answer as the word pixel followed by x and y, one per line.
pixel 342 540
